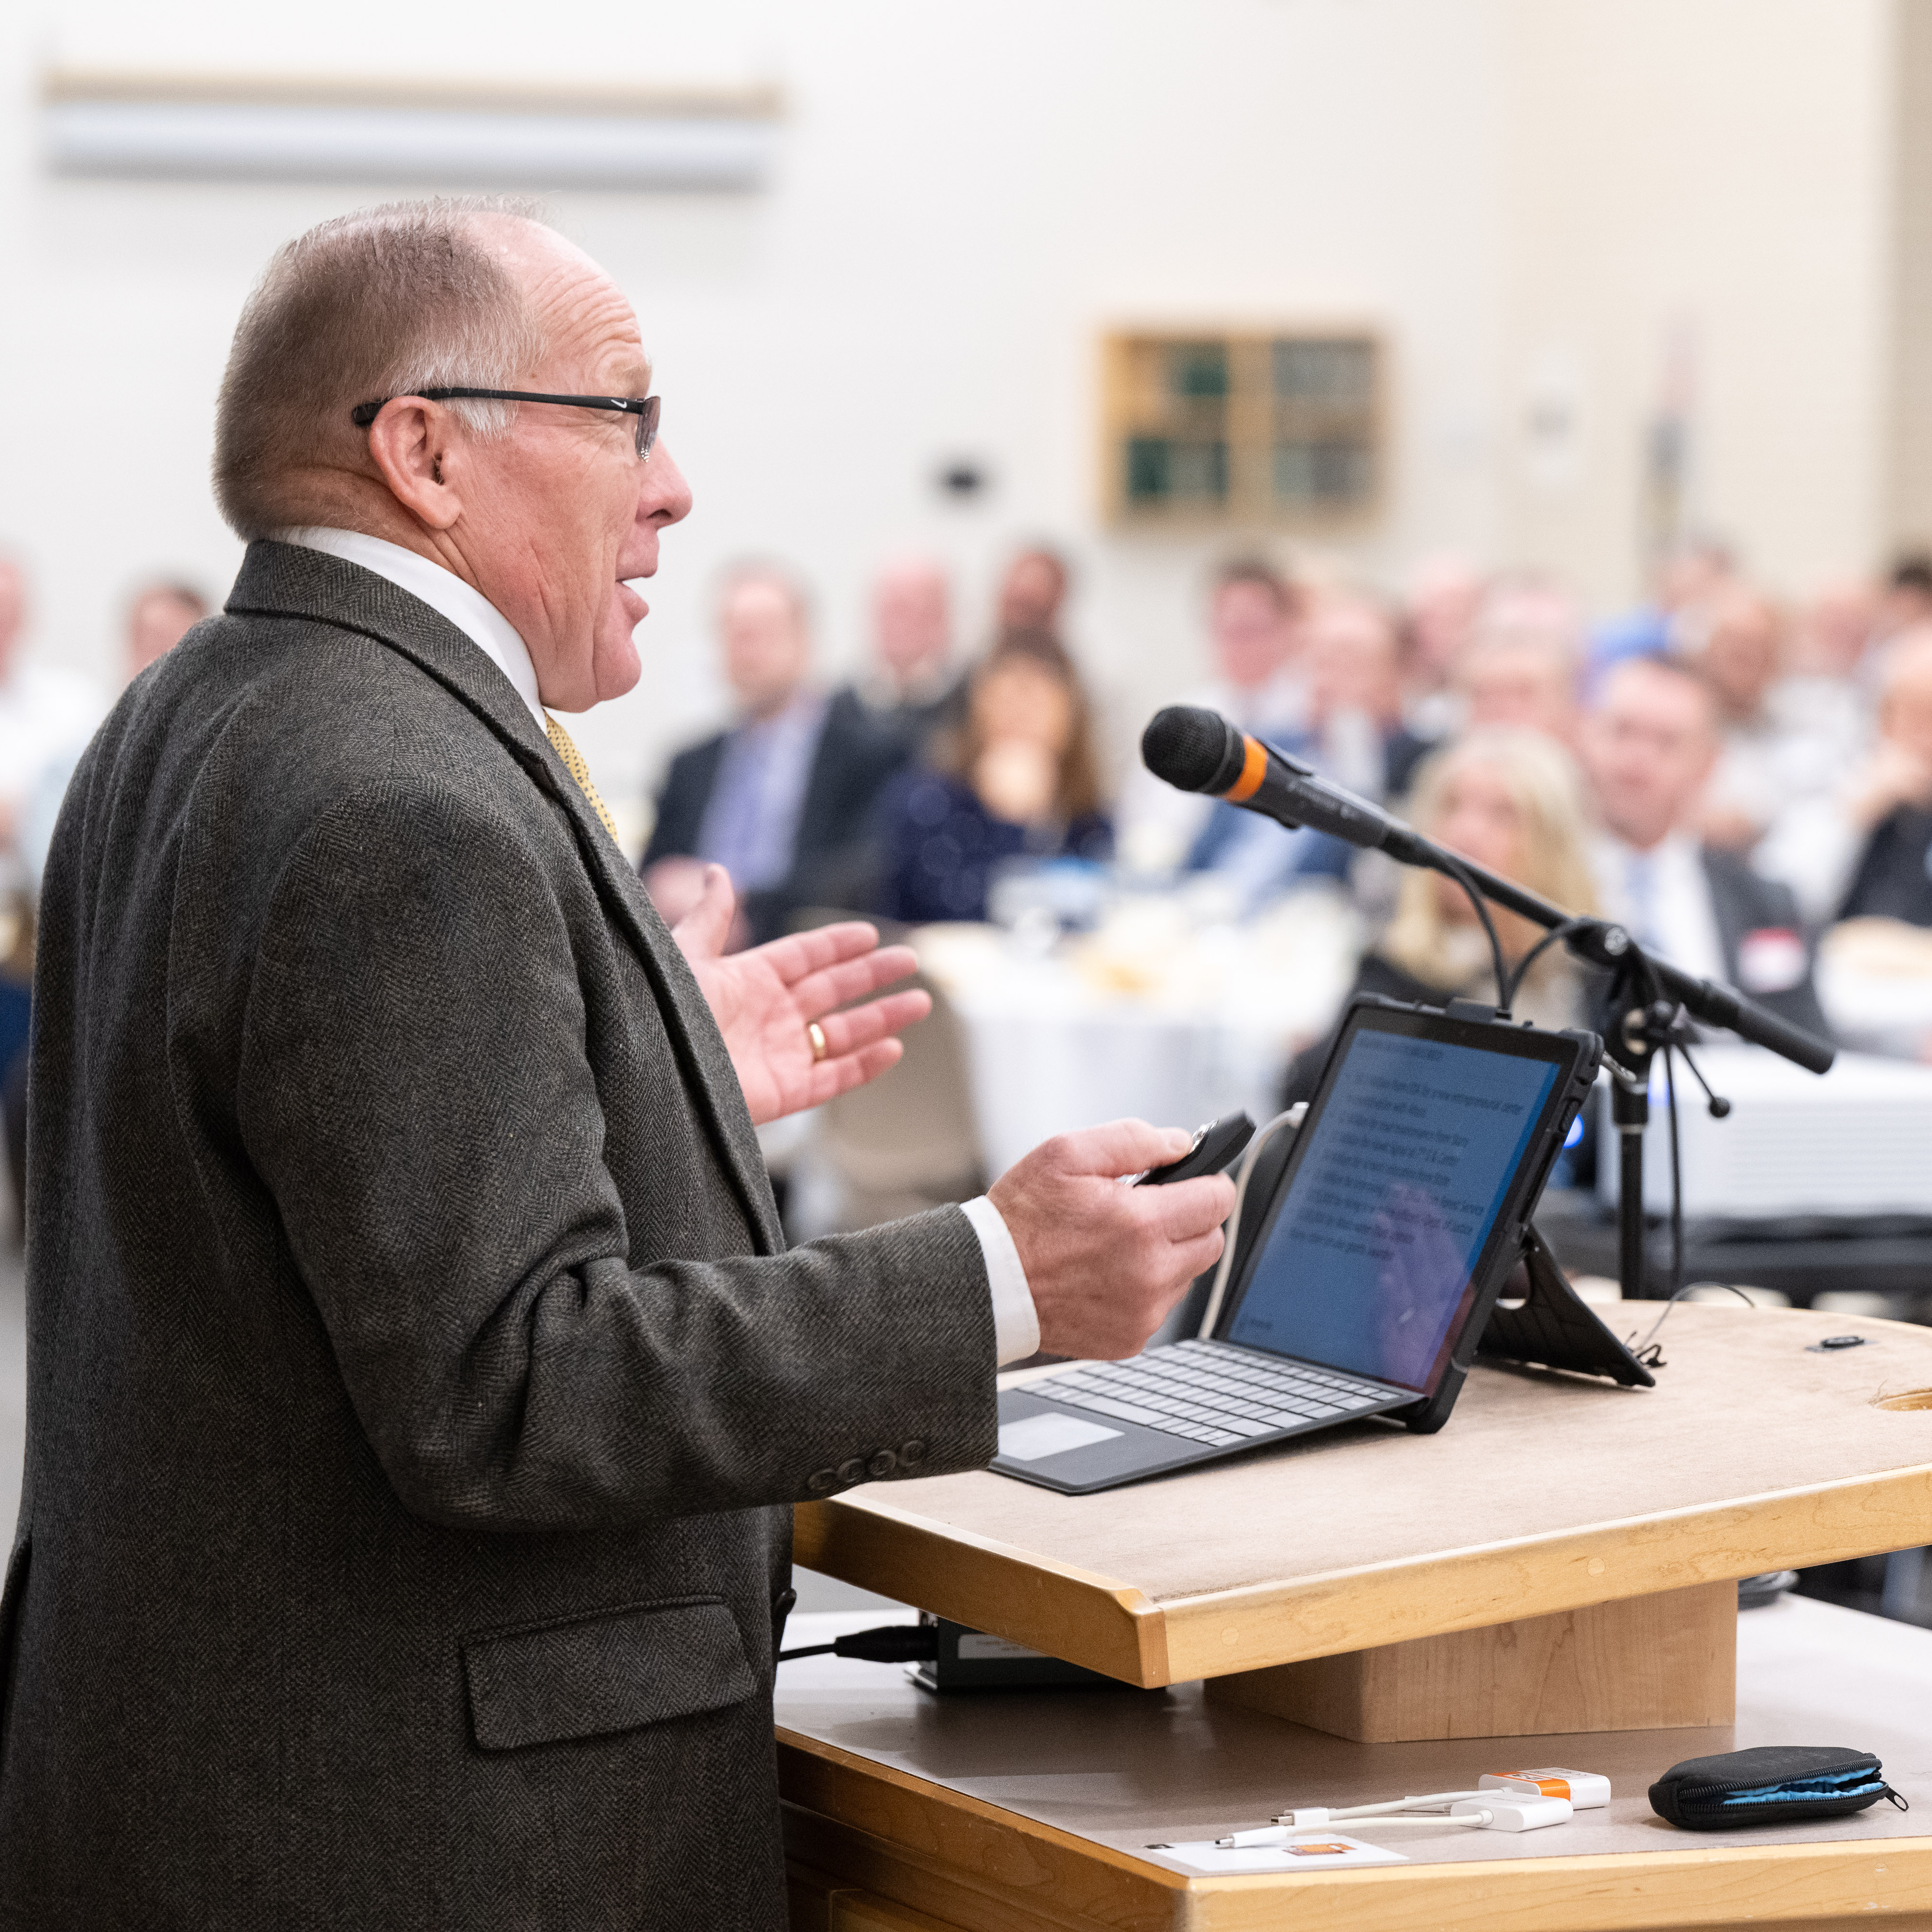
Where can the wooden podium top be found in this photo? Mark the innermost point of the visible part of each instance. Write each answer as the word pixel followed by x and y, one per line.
pixel 1545 1493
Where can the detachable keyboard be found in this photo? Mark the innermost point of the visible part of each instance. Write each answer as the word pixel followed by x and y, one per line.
pixel 1209 1392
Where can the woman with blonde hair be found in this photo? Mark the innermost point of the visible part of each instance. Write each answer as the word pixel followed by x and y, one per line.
pixel 1511 801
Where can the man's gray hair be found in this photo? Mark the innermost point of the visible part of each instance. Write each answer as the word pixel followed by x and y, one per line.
pixel 387 302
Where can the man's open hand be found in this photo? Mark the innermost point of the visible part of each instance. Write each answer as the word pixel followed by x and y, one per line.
pixel 1105 1262
pixel 764 1000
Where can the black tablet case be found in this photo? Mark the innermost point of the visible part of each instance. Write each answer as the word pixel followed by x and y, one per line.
pixel 1551 1326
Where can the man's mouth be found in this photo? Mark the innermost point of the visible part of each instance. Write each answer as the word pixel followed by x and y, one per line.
pixel 635 608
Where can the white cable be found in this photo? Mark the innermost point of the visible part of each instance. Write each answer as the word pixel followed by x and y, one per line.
pixel 1292 1117
pixel 1397 1804
pixel 1282 1835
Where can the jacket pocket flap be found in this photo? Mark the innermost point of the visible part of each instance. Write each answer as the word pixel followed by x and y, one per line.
pixel 596 1675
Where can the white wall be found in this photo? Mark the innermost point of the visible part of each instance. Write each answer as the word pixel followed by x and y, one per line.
pixel 966 197
pixel 1715 172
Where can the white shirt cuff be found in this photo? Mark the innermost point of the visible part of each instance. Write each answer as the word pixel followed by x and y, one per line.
pixel 1016 1321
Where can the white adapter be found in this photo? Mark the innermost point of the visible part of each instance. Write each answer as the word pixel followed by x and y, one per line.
pixel 1586 1790
pixel 1509 1813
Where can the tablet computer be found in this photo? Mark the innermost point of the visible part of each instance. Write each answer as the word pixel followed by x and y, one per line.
pixel 1386 1240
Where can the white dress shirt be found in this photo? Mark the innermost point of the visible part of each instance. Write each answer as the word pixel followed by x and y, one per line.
pixel 1016 1321
pixel 444 592
pixel 1662 896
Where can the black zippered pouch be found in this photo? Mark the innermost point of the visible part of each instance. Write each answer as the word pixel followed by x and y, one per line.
pixel 1774 1784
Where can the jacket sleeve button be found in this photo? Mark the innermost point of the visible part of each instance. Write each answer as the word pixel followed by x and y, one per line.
pixel 882 1464
pixel 821 1480
pixel 912 1452
pixel 852 1471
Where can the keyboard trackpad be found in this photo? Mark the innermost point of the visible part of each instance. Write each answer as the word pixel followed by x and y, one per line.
pixel 1052 1432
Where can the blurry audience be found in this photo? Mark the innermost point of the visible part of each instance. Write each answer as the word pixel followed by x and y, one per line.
pixel 1890 799
pixel 44 708
pixel 910 687
pixel 1737 643
pixel 1032 593
pixel 1357 732
pixel 1696 568
pixel 1352 731
pixel 159 616
pixel 1018 780
pixel 1445 596
pixel 1521 665
pixel 1834 633
pixel 783 799
pixel 1650 744
pixel 1512 801
pixel 1862 851
pixel 1907 600
pixel 1259 684
pixel 1725 774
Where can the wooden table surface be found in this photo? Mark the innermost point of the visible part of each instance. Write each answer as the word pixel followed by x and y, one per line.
pixel 998 1811
pixel 1545 1493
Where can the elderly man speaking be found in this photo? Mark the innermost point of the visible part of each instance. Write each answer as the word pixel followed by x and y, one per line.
pixel 419 1380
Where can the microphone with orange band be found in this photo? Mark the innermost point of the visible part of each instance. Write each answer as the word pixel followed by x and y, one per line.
pixel 1199 751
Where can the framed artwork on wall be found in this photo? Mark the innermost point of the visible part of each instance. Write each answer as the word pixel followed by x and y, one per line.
pixel 1212 428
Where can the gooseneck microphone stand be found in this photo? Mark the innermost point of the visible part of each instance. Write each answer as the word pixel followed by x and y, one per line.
pixel 1199 751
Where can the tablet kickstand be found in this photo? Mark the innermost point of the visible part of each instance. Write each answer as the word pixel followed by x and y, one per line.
pixel 1552 1326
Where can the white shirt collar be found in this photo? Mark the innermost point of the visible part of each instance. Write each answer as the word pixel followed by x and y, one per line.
pixel 443 591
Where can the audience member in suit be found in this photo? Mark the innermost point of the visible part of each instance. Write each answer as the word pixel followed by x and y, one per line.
pixel 1650 744
pixel 783 800
pixel 418 1383
pixel 1020 780
pixel 1260 684
pixel 910 689
pixel 1513 801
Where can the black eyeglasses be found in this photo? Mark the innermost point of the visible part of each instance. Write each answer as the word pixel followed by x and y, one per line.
pixel 644 408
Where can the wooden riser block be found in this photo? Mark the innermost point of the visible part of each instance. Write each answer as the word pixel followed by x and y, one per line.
pixel 1642 1663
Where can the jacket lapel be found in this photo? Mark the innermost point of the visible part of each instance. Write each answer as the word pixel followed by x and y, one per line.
pixel 284 580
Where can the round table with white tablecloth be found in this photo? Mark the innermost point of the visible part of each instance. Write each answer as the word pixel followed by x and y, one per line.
pixel 1164 1011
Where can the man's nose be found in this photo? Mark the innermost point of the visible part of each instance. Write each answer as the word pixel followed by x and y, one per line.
pixel 664 496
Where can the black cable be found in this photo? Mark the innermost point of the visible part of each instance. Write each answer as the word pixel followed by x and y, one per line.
pixel 1676 1177
pixel 1536 952
pixel 885 1643
pixel 1650 1351
pixel 1456 871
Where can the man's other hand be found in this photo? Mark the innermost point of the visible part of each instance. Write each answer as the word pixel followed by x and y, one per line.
pixel 764 1000
pixel 1106 1262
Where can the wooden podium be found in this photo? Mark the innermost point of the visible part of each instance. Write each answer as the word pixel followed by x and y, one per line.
pixel 1560 1561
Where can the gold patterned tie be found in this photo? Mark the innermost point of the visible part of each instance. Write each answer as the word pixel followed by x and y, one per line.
pixel 573 763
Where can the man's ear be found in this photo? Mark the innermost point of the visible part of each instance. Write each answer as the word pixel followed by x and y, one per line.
pixel 410 443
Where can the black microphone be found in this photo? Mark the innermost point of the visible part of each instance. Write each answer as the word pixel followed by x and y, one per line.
pixel 1195 750
pixel 1199 751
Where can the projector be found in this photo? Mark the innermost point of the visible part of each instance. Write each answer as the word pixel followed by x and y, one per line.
pixel 1853 1143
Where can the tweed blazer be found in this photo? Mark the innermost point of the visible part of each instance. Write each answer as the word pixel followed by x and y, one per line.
pixel 417 1379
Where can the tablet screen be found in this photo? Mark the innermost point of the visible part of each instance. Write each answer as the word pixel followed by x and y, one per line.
pixel 1403 1171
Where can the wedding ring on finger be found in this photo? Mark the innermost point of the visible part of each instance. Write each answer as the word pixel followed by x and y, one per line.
pixel 815 1033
